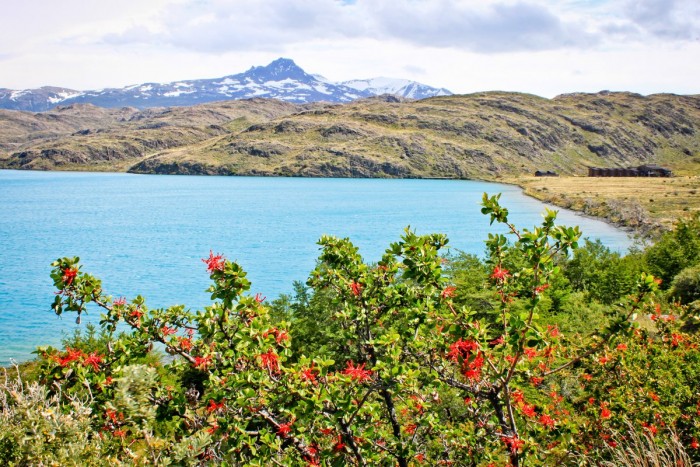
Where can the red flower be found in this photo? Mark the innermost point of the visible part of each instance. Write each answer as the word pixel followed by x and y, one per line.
pixel 517 396
pixel 69 274
pixel 420 457
pixel 71 355
pixel 202 362
pixel 284 429
pixel 546 421
pixel 461 348
pixel 280 335
pixel 119 433
pixel 137 313
pixel 121 301
pixel 514 443
pixel 499 273
pixel 650 427
pixel 357 373
pixel 166 331
pixel 676 339
pixel 473 367
pixel 113 416
pixel 448 291
pixel 212 429
pixel 309 375
pixel 528 410
pixel 604 411
pixel 356 288
pixel 541 288
pixel 621 347
pixel 530 353
pixel 536 380
pixel 410 429
pixel 185 343
pixel 213 406
pixel 556 397
pixel 93 360
pixel 214 262
pixel 418 402
pixel 553 331
pixel 270 361
pixel 339 445
pixel 259 298
pixel 497 341
pixel 694 444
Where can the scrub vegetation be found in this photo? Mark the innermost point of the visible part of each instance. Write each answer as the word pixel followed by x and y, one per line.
pixel 548 351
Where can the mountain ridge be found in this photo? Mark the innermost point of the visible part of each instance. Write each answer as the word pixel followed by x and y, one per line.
pixel 281 79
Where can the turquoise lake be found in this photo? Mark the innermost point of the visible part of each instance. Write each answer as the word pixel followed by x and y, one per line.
pixel 147 233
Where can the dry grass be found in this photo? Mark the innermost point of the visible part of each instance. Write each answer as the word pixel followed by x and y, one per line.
pixel 636 449
pixel 660 200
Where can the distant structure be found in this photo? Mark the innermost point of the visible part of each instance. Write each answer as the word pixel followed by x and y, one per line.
pixel 650 170
pixel 548 173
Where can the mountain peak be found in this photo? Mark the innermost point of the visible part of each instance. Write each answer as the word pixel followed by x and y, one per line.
pixel 280 79
pixel 277 70
pixel 282 63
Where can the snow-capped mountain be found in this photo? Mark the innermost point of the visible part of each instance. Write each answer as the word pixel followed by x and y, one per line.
pixel 397 87
pixel 281 79
pixel 43 98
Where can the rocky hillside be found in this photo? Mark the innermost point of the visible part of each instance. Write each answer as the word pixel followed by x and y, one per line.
pixel 484 135
pixel 86 137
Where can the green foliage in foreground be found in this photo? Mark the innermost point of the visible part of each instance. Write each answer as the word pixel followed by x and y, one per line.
pixel 522 359
pixel 675 250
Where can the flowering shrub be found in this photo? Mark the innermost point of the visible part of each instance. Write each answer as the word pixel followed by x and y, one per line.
pixel 400 373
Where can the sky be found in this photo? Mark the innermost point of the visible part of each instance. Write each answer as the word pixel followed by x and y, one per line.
pixel 543 47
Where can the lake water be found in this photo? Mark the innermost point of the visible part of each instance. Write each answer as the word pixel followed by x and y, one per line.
pixel 147 233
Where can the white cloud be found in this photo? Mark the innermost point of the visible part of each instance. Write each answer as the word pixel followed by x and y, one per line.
pixel 668 19
pixel 540 46
pixel 487 26
pixel 493 27
pixel 217 26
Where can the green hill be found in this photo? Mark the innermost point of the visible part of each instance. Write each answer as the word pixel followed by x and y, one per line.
pixel 485 136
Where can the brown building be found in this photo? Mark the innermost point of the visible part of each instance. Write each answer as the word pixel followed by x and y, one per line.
pixel 647 170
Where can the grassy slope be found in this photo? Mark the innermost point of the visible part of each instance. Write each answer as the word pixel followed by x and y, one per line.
pixel 80 141
pixel 486 136
pixel 19 129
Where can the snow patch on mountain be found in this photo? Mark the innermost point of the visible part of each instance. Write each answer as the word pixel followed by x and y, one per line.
pixel 281 79
pixel 395 86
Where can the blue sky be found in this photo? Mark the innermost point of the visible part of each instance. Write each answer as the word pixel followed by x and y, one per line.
pixel 536 46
